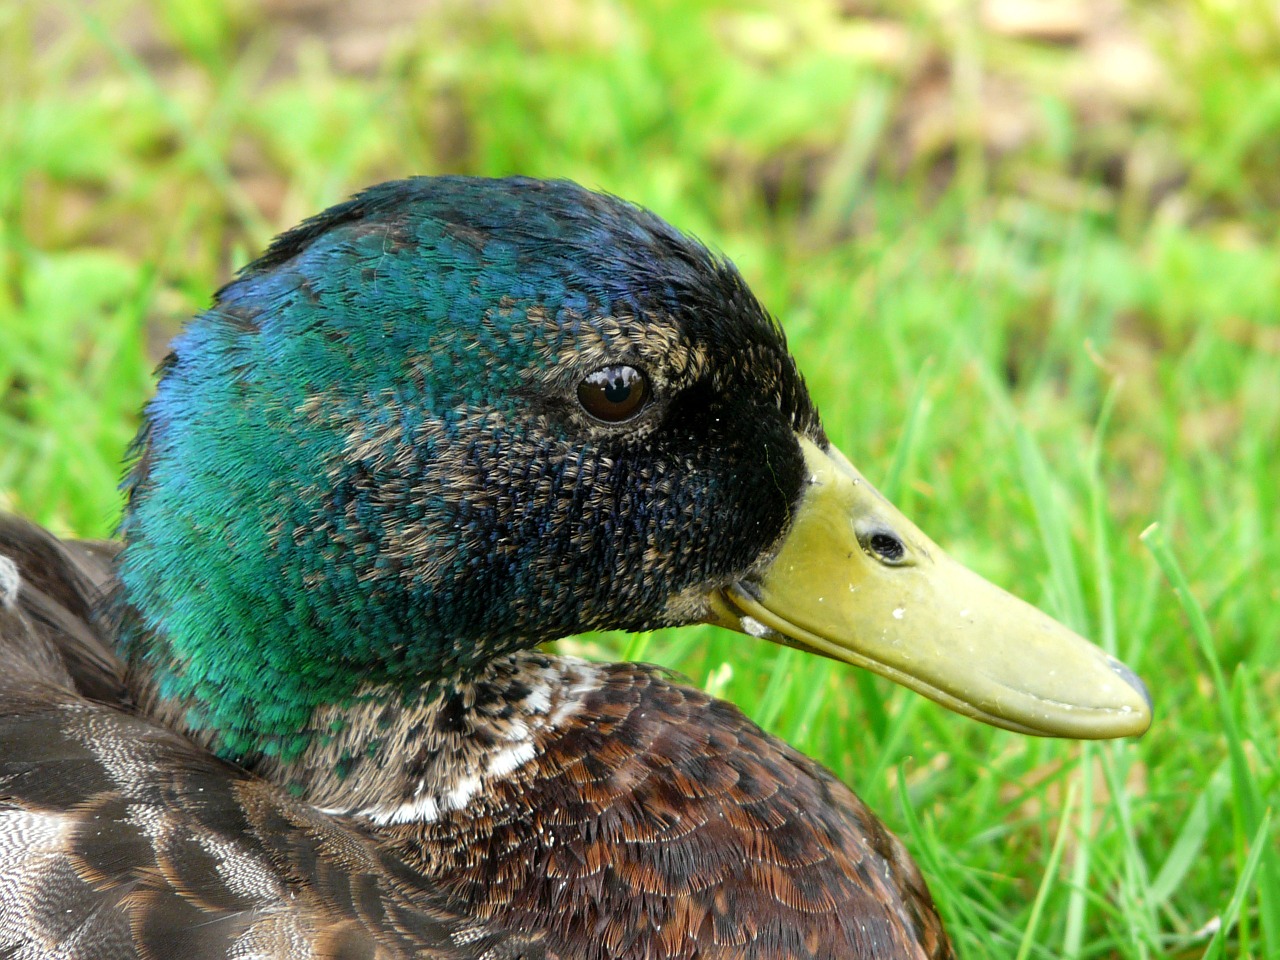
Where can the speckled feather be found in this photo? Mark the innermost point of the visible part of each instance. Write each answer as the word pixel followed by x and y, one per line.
pixel 671 826
pixel 647 820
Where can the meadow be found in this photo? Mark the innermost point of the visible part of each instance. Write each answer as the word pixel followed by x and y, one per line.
pixel 1031 269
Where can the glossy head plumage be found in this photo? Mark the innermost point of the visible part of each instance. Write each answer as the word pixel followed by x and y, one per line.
pixel 369 462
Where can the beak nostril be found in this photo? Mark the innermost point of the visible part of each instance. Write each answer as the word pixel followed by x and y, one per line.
pixel 885 547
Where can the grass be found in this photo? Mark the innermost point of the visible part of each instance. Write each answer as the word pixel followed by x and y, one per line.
pixel 1040 349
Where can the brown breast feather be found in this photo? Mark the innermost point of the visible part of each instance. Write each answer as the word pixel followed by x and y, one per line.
pixel 659 822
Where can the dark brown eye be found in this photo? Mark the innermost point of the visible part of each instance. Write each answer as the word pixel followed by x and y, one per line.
pixel 614 394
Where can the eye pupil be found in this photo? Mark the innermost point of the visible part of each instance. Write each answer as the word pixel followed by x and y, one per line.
pixel 614 394
pixel 617 390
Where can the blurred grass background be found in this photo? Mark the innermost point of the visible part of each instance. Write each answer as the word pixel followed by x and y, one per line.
pixel 1026 252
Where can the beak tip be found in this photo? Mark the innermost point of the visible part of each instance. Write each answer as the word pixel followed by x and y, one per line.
pixel 1132 679
pixel 1135 683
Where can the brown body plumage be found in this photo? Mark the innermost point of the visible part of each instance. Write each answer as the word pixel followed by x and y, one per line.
pixel 627 816
pixel 668 825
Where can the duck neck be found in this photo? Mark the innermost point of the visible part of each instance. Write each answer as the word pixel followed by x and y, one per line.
pixel 395 759
pixel 245 627
pixel 258 679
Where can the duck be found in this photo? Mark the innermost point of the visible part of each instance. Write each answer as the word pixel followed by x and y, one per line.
pixel 303 706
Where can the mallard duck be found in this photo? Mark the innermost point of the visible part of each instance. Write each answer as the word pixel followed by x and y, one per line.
pixel 303 710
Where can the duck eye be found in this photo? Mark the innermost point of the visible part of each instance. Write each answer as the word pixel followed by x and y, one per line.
pixel 614 394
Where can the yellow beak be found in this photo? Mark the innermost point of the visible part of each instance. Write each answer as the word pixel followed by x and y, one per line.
pixel 857 581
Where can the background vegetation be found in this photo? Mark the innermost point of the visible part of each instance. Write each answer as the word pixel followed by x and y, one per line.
pixel 1027 253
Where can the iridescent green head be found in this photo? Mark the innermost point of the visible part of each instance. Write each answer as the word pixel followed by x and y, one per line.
pixel 446 420
pixel 455 417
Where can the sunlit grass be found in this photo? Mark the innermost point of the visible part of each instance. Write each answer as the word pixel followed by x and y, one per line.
pixel 1035 360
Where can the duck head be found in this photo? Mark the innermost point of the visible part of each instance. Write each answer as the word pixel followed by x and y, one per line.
pixel 454 418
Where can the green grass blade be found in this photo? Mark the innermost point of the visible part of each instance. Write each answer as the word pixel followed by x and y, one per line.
pixel 908 441
pixel 1189 844
pixel 1248 800
pixel 1259 848
pixel 1063 571
pixel 1029 934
